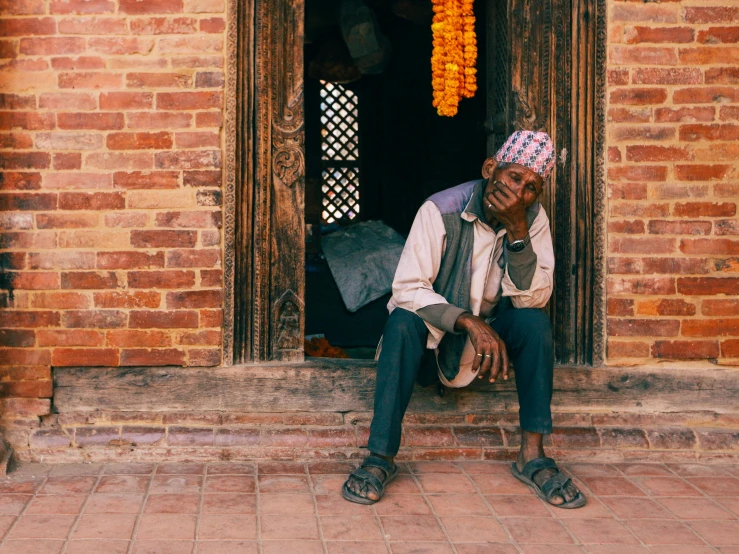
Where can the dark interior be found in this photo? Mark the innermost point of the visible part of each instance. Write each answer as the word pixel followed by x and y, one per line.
pixel 406 151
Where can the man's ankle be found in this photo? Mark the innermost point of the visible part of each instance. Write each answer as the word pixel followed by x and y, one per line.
pixel 388 458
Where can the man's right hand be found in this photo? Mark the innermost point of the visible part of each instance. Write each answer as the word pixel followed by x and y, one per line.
pixel 491 354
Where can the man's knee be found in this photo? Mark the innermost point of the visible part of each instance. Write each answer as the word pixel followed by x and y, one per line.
pixel 533 326
pixel 404 323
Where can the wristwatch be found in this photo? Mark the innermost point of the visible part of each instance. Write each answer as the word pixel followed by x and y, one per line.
pixel 518 245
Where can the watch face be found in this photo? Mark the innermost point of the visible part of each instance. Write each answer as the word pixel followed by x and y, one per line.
pixel 516 246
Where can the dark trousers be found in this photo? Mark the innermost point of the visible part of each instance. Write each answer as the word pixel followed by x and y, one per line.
pixel 527 334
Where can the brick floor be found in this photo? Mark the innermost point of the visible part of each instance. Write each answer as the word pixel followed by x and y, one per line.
pixel 432 507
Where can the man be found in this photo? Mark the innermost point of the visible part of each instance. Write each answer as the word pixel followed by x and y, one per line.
pixel 474 274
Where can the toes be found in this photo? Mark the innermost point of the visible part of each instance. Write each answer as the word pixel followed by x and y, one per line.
pixel 372 495
pixel 556 500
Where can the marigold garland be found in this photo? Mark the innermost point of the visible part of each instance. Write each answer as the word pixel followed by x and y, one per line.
pixel 454 56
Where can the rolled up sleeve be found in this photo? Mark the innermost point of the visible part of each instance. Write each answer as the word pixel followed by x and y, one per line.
pixel 540 288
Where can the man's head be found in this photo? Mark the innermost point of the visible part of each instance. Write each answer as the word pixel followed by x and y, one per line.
pixel 523 164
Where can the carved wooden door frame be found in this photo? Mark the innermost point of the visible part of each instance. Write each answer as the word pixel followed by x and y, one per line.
pixel 264 168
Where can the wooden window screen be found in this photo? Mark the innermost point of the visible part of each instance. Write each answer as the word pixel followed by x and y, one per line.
pixel 339 153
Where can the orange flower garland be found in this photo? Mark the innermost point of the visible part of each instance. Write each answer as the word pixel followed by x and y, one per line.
pixel 453 60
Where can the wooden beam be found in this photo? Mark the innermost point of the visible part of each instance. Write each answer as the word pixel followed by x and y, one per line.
pixel 325 385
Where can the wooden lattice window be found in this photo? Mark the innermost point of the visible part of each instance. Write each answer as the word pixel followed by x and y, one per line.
pixel 339 153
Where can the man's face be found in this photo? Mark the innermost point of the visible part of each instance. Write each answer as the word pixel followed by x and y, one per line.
pixel 522 182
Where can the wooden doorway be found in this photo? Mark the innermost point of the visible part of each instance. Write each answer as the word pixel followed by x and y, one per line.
pixel 265 164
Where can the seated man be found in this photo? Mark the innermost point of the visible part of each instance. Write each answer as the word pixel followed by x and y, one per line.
pixel 475 273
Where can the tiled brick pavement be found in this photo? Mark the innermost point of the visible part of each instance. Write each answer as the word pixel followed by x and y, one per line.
pixel 433 507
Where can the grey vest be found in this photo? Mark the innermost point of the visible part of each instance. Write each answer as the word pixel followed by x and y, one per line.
pixel 455 272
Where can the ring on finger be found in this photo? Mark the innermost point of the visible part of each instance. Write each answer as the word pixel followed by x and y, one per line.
pixel 488 355
pixel 480 355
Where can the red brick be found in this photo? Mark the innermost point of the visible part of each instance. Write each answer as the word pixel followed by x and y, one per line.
pixel 624 209
pixel 209 119
pixel 17 102
pixel 194 299
pixel 728 307
pixel 158 80
pixel 23 356
pixel 710 327
pixel 95 121
pixel 67 161
pixel 27 201
pixel 641 285
pixel 705 95
pixel 701 172
pixel 209 79
pixel 641 132
pixel 32 121
pixel 27 389
pixel 84 357
pixel 199 338
pixel 96 319
pixel 442 436
pixel 93 26
pixel 197 140
pixel 52 46
pixel 203 178
pixel 193 62
pixel 718 152
pixel 164 25
pixel 198 159
pixel 640 34
pixel 164 120
pixel 704 209
pixel 120 46
pixel 638 173
pixel 139 141
pixel 161 279
pixel 642 55
pixel 671 76
pixel 17 338
pixel 709 132
pixel 726 190
pixel 730 348
pixel 90 280
pixel 193 258
pixel 147 180
pixel 81 6
pixel 237 437
pixel 60 301
pixel 665 307
pixel 727 227
pixel 127 161
pixel 61 260
pixel 621 349
pixel 136 7
pixel 90 80
pixel 126 100
pixel 190 436
pixel 91 201
pixel 713 14
pixel 657 153
pixel 152 357
pixel 25 160
pixel 718 35
pixel 189 100
pixel 211 278
pixel 69 337
pixel 129 260
pixel 25 373
pixel 193 220
pixel 708 285
pixel 16 141
pixel 133 338
pixel 120 299
pixel 641 245
pixel 722 76
pixel 34 280
pixel 638 96
pixel 20 181
pixel 614 154
pixel 213 25
pixel 126 219
pixel 12 260
pixel 710 246
pixel 684 115
pixel 643 327
pixel 616 437
pixel 210 238
pixel 80 63
pixel 211 318
pixel 705 55
pixel 199 44
pixel 78 180
pixel 680 227
pixel 163 239
pixel 67 101
pixel 718 439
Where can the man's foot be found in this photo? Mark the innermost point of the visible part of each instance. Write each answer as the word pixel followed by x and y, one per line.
pixel 565 491
pixel 367 483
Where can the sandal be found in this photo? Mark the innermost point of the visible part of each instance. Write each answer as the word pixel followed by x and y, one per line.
pixel 554 486
pixel 370 480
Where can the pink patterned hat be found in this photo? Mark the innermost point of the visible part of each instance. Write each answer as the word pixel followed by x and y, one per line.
pixel 531 149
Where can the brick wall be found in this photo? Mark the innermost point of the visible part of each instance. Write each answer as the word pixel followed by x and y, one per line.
pixel 110 130
pixel 673 180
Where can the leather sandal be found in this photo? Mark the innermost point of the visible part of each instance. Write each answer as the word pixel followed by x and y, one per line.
pixel 554 486
pixel 370 481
